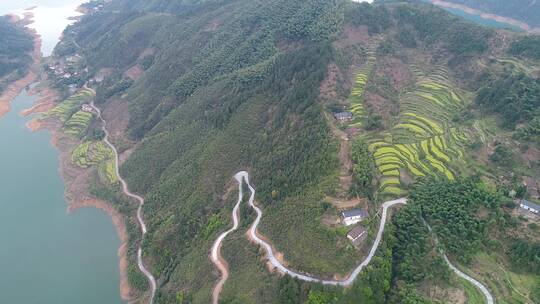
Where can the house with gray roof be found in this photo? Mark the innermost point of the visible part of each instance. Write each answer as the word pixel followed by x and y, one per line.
pixel 353 216
pixel 357 234
pixel 529 206
pixel 343 116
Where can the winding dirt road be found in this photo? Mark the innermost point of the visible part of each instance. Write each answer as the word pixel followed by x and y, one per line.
pixel 218 261
pixel 139 199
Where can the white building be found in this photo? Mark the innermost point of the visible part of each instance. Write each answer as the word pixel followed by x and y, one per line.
pixel 87 108
pixel 343 116
pixel 530 206
pixel 350 217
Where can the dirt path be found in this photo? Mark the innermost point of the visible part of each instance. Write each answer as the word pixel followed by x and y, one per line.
pixel 272 257
pixel 139 199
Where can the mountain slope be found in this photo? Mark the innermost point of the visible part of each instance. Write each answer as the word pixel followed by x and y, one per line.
pixel 197 90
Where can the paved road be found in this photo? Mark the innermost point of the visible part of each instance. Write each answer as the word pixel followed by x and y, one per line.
pixel 482 288
pixel 244 176
pixel 139 199
pixel 216 255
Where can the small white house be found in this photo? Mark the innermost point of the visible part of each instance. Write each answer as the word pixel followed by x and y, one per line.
pixel 353 216
pixel 87 108
pixel 343 116
pixel 529 206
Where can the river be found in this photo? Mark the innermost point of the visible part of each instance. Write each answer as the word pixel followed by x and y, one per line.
pixel 46 255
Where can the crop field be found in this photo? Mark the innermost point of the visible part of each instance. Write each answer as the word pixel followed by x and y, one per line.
pixel 69 113
pixel 78 123
pixel 65 110
pixel 356 98
pixel 424 141
pixel 107 172
pixel 96 153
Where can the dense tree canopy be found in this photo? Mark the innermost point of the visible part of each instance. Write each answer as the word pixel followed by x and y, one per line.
pixel 526 46
pixel 515 97
pixel 451 209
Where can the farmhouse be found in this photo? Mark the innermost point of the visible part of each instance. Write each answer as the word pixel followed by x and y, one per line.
pixel 353 216
pixel 357 234
pixel 343 116
pixel 529 206
pixel 87 108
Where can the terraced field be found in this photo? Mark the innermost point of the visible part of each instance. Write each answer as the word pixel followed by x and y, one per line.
pixel 96 153
pixel 69 113
pixel 424 141
pixel 356 98
pixel 78 123
pixel 75 123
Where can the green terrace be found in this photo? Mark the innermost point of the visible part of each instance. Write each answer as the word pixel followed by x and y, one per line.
pixel 75 120
pixel 96 153
pixel 424 141
pixel 356 98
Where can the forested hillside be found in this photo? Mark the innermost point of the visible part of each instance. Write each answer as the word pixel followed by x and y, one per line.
pixel 15 51
pixel 195 91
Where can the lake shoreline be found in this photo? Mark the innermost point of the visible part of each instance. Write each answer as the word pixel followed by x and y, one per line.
pixel 75 179
pixel 489 16
pixel 76 194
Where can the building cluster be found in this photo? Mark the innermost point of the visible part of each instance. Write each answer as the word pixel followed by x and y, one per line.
pixel 352 217
pixel 66 69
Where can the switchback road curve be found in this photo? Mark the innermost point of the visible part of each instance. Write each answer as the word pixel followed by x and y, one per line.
pixel 243 176
pixel 216 258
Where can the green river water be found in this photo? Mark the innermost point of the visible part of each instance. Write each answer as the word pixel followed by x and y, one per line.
pixel 46 255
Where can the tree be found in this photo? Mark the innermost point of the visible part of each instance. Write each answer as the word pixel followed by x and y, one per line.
pixel 363 167
pixel 502 156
